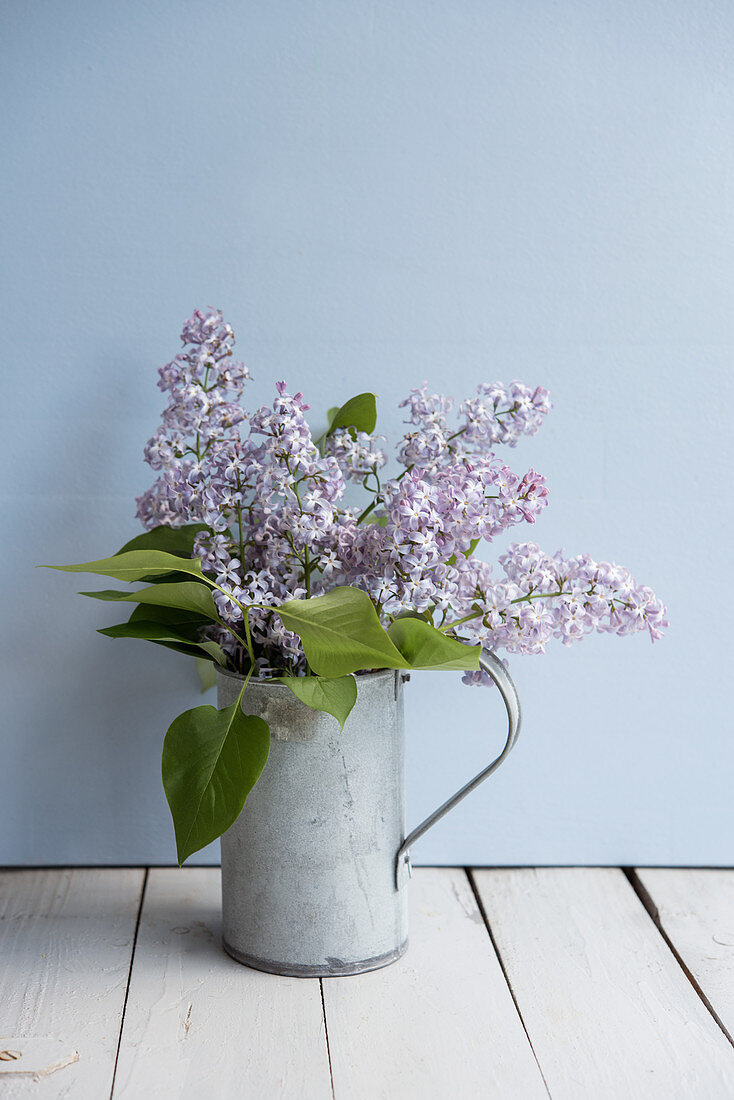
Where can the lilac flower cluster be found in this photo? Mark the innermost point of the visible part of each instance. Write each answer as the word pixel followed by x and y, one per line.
pixel 204 385
pixel 427 525
pixel 543 597
pixel 278 527
pixel 356 452
pixel 498 414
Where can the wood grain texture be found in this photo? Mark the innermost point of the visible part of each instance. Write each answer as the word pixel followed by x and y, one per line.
pixel 440 1022
pixel 66 939
pixel 199 1024
pixel 695 908
pixel 608 1009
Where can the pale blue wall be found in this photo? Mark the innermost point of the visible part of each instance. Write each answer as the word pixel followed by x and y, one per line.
pixel 378 193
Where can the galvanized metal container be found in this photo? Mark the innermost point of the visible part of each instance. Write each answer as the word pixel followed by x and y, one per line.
pixel 314 869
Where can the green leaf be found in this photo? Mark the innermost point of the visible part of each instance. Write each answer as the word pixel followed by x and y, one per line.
pixel 185 595
pixel 207 674
pixel 358 412
pixel 211 761
pixel 422 646
pixel 174 540
pixel 335 695
pixel 110 594
pixel 136 565
pixel 165 635
pixel 176 576
pixel 340 632
pixel 189 623
pixel 191 649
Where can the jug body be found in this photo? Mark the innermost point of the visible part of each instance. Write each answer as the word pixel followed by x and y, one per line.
pixel 308 868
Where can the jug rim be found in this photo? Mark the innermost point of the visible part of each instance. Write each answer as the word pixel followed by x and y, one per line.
pixel 361 677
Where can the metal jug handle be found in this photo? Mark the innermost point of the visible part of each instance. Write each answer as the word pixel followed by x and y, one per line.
pixel 494 668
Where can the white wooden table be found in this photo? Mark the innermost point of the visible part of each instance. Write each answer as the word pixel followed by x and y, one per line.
pixel 571 982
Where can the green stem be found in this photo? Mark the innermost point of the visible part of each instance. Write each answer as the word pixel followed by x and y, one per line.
pixel 377 491
pixel 541 596
pixel 239 524
pixel 520 599
pixel 306 561
pixel 370 508
pixel 248 636
pixel 459 622
pixel 247 644
pixel 307 572
pixel 250 671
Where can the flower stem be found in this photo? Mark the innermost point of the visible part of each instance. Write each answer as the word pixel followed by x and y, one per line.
pixel 467 618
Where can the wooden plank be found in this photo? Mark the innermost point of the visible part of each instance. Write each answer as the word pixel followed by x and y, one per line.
pixel 198 1024
pixel 609 1011
pixel 440 1022
pixel 66 939
pixel 695 909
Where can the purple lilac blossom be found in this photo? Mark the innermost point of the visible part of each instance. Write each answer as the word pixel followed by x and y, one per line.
pixel 356 453
pixel 278 527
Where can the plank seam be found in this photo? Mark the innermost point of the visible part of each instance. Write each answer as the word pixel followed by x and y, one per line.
pixel 485 918
pixel 654 913
pixel 326 1035
pixel 129 979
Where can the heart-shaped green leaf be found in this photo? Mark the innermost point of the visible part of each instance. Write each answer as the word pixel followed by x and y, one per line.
pixel 184 595
pixel 335 695
pixel 135 565
pixel 211 761
pixel 167 636
pixel 358 412
pixel 174 540
pixel 422 646
pixel 340 632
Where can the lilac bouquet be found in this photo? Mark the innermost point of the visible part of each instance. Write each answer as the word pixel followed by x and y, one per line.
pixel 258 561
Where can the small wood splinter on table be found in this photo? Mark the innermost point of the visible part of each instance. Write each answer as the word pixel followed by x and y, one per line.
pixel 31 1056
